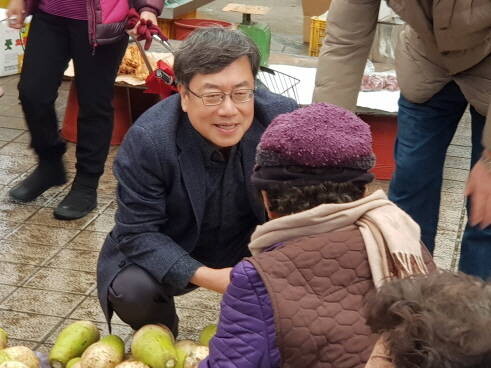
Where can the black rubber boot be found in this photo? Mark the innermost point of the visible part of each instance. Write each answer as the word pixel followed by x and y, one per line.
pixel 48 174
pixel 81 199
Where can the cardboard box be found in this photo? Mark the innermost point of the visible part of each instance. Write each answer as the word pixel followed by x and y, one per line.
pixel 12 43
pixel 312 8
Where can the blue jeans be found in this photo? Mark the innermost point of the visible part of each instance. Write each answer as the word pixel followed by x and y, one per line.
pixel 424 133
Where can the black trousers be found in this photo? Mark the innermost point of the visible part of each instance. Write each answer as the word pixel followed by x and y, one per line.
pixel 138 299
pixel 52 42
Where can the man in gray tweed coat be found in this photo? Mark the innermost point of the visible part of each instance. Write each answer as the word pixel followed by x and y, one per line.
pixel 186 207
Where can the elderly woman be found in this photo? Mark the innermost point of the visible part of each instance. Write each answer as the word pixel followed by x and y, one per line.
pixel 297 302
pixel 442 320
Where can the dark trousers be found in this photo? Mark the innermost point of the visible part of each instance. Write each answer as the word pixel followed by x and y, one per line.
pixel 138 299
pixel 424 133
pixel 52 42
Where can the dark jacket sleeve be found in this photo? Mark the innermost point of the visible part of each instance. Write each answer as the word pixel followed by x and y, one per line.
pixel 141 213
pixel 154 6
pixel 245 336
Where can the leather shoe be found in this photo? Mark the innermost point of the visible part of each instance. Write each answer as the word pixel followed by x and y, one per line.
pixel 77 204
pixel 45 176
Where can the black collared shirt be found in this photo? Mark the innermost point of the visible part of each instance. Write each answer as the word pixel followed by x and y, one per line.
pixel 228 220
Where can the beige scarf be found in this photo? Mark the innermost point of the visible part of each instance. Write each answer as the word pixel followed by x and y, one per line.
pixel 391 237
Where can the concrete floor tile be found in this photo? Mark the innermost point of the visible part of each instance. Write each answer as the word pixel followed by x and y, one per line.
pixel 15 274
pixel 107 187
pixel 43 348
pixel 16 212
pixel 45 217
pixel 453 186
pixel 459 151
pixel 111 209
pixel 74 259
pixel 41 234
pixel 103 223
pixel 30 344
pixel 200 298
pixel 445 248
pixel 454 201
pixel 27 326
pixel 8 135
pixel 191 323
pixel 5 290
pixel 17 165
pixel 69 155
pixel 88 240
pixel 457 162
pixel 10 106
pixel 90 310
pixel 450 219
pixel 25 137
pixel 16 149
pixel 28 253
pixel 455 174
pixel 58 279
pixel 7 228
pixel 12 122
pixel 8 178
pixel 462 140
pixel 51 303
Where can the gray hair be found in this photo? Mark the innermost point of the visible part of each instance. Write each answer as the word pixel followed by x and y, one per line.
pixel 211 49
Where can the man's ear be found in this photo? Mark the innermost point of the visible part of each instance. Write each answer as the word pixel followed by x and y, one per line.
pixel 184 97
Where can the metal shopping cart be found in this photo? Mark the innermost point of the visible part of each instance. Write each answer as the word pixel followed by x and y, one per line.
pixel 278 82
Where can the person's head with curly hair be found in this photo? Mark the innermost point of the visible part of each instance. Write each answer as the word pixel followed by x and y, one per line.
pixel 311 156
pixel 442 320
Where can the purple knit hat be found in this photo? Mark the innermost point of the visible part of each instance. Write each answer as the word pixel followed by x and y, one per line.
pixel 319 135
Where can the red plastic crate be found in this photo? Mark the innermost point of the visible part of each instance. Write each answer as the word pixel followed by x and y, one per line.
pixel 384 130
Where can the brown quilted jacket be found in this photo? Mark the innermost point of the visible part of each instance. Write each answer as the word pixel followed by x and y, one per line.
pixel 318 285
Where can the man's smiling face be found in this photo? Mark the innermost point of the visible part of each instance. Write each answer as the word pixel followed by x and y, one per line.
pixel 224 124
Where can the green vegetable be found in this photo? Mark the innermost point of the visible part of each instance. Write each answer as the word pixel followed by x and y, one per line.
pixel 13 364
pixel 154 346
pixel 21 354
pixel 106 353
pixel 4 337
pixel 72 342
pixel 207 333
pixel 189 354
pixel 72 363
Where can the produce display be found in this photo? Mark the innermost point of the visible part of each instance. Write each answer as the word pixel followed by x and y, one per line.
pixel 79 345
pixel 16 356
pixel 106 353
pixel 72 342
pixel 207 333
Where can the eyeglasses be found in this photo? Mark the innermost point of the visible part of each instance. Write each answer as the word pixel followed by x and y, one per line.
pixel 216 98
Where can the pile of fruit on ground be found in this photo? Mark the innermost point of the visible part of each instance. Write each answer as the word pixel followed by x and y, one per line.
pixel 79 345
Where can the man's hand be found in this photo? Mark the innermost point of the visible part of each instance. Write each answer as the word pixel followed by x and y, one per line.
pixel 16 13
pixel 212 278
pixel 144 17
pixel 479 189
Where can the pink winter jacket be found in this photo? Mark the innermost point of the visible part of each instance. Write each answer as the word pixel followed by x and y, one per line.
pixel 107 18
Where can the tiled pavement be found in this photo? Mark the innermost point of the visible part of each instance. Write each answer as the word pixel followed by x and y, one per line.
pixel 47 267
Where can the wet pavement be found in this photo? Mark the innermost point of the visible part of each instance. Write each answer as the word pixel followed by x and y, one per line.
pixel 47 266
